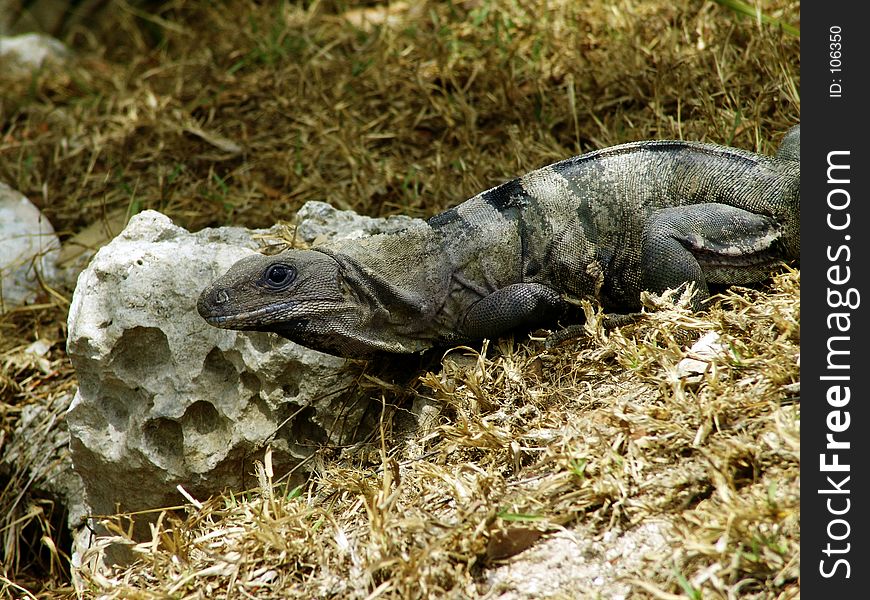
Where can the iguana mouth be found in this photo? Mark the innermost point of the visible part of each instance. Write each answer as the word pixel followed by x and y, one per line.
pixel 215 308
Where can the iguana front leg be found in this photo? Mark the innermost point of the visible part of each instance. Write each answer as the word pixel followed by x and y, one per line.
pixel 705 243
pixel 520 305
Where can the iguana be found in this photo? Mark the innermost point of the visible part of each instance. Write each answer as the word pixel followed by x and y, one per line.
pixel 608 224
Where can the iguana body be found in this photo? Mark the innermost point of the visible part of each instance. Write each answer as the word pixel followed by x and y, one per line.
pixel 608 224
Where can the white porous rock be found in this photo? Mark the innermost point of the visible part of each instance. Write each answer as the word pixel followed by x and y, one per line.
pixel 165 399
pixel 319 222
pixel 27 244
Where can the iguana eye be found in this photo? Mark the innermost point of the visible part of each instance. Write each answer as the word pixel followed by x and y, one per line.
pixel 279 276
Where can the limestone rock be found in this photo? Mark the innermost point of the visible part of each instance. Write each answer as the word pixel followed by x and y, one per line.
pixel 165 399
pixel 27 245
pixel 319 222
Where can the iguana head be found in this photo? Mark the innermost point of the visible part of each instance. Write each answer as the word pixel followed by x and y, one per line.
pixel 297 294
pixel 307 296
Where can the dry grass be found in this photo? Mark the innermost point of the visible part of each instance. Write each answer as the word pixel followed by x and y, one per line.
pixel 239 112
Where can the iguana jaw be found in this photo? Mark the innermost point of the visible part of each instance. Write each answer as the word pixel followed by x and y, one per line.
pixel 244 320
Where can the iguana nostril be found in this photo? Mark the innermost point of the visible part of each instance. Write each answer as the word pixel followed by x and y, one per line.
pixel 221 297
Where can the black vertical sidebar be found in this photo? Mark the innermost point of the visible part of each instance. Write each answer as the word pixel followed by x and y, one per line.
pixel 835 300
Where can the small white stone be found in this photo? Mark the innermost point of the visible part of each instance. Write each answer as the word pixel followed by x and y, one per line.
pixel 30 51
pixel 27 245
pixel 707 348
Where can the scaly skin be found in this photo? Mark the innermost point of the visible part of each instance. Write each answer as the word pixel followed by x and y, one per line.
pixel 608 224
